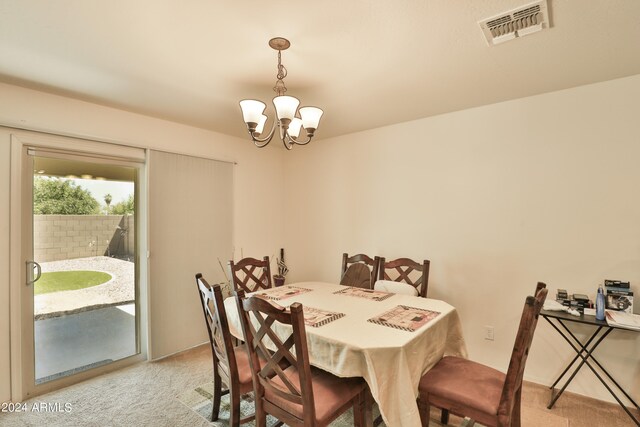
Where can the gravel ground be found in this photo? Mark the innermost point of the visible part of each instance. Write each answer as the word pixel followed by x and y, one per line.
pixel 120 289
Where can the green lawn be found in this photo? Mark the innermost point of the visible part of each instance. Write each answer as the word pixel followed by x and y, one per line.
pixel 69 280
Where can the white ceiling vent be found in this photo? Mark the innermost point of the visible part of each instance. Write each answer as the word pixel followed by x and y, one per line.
pixel 519 22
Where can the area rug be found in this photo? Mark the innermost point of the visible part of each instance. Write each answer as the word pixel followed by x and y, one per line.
pixel 199 401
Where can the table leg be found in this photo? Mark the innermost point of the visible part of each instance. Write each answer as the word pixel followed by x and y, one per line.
pixel 555 396
pixel 588 354
pixel 593 358
pixel 583 347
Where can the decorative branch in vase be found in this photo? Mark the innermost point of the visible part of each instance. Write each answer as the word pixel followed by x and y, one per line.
pixel 226 286
pixel 278 279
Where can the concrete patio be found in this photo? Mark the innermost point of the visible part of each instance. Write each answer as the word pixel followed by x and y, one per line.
pixel 86 328
pixel 84 340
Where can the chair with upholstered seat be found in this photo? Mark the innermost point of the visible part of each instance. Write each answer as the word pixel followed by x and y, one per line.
pixel 250 274
pixel 470 389
pixel 230 364
pixel 359 271
pixel 407 271
pixel 539 287
pixel 297 395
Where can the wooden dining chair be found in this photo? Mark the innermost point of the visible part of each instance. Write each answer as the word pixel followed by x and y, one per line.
pixel 405 270
pixel 539 287
pixel 470 389
pixel 297 395
pixel 250 274
pixel 230 364
pixel 359 270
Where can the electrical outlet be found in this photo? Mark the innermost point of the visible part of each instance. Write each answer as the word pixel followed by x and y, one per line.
pixel 488 333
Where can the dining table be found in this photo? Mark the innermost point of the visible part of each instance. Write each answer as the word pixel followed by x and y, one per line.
pixel 390 340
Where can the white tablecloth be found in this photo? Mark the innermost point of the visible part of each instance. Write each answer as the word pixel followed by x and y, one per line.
pixel 390 360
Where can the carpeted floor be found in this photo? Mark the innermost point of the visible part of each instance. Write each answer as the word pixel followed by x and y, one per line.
pixel 152 394
pixel 199 401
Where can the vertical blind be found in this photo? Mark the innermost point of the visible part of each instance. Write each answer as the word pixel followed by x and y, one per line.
pixel 190 227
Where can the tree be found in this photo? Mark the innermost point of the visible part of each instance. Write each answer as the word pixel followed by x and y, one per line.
pixel 107 201
pixel 54 196
pixel 124 207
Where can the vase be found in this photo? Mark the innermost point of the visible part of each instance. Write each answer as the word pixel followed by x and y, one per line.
pixel 278 280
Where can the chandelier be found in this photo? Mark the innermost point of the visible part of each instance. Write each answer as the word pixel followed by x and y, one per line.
pixel 286 108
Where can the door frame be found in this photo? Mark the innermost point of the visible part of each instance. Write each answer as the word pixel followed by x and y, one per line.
pixel 21 384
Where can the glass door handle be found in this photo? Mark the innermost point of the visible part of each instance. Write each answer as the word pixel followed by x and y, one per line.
pixel 34 266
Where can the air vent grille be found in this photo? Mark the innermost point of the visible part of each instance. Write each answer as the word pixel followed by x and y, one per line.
pixel 527 12
pixel 519 22
pixel 499 21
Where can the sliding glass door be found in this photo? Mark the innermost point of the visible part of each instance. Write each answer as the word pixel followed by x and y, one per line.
pixel 80 299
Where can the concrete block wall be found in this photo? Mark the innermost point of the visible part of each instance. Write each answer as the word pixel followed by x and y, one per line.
pixel 58 237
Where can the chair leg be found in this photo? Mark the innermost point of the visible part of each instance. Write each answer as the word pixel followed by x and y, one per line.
pixel 357 410
pixel 217 394
pixel 362 416
pixel 424 408
pixel 261 415
pixel 444 417
pixel 515 415
pixel 234 408
pixel 368 403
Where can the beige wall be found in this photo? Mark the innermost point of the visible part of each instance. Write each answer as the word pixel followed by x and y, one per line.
pixel 545 188
pixel 498 197
pixel 258 178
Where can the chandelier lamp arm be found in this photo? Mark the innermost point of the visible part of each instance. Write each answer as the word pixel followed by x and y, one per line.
pixel 286 145
pixel 296 142
pixel 261 142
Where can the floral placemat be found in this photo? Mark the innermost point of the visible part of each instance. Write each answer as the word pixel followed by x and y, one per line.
pixel 316 317
pixel 364 293
pixel 405 318
pixel 283 292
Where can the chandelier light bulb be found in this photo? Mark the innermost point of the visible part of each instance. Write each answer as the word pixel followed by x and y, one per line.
pixel 252 110
pixel 260 127
pixel 294 127
pixel 286 107
pixel 310 117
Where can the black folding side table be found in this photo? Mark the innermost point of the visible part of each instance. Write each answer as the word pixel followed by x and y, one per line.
pixel 584 352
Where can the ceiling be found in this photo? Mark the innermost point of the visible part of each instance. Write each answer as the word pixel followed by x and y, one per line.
pixel 65 168
pixel 367 63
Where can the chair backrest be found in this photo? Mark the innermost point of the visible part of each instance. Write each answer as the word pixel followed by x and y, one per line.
pixel 539 286
pixel 250 274
pixel 215 316
pixel 352 273
pixel 406 270
pixel 524 337
pixel 269 352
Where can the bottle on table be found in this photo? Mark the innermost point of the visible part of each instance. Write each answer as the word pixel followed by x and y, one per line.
pixel 600 304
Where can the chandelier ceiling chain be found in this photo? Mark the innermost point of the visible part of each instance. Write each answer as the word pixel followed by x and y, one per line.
pixel 280 88
pixel 287 120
